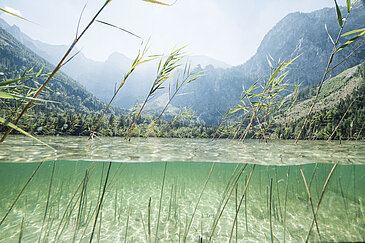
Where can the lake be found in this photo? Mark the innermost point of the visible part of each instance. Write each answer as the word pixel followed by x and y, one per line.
pixel 176 190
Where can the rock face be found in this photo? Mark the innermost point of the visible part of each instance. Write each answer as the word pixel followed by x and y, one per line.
pixel 296 34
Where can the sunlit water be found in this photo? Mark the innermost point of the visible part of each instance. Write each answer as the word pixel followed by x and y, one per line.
pixel 275 207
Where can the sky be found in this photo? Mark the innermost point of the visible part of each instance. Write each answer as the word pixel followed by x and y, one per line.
pixel 227 30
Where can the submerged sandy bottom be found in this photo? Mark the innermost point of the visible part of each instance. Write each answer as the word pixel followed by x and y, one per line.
pixel 76 188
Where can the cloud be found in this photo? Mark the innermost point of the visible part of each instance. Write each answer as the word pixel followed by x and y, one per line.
pixel 14 11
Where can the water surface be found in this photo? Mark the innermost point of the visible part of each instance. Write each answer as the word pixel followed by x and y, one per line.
pixel 276 205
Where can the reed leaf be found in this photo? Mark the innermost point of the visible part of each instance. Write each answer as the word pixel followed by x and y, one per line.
pixel 353 32
pixel 165 71
pixel 16 15
pixel 156 2
pixel 114 26
pixel 55 70
pixel 348 5
pixel 339 15
pixel 350 41
pixel 13 126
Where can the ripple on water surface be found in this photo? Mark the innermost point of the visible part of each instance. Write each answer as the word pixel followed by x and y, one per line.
pixel 275 152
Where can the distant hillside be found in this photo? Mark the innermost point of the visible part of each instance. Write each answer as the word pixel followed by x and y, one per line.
pixel 345 92
pixel 333 91
pixel 297 33
pixel 15 58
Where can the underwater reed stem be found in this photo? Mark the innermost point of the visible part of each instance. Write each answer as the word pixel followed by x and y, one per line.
pixel 243 196
pixel 107 193
pixel 271 233
pixel 159 208
pixel 81 205
pixel 312 177
pixel 278 191
pixel 144 228
pixel 320 199
pixel 20 193
pixel 126 226
pixel 285 201
pixel 344 200
pixel 21 231
pixel 246 221
pixel 197 203
pixel 311 202
pixel 170 203
pixel 236 207
pixel 70 201
pixel 48 197
pixel 100 202
pixel 227 194
pixel 149 220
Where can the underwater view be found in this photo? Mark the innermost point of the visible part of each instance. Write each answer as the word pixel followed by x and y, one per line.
pixel 182 121
pixel 181 190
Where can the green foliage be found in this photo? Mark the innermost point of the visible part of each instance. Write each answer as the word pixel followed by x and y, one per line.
pixel 324 121
pixel 40 122
pixel 166 69
pixel 264 101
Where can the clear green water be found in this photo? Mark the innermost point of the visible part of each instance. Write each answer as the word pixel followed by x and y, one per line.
pixel 276 190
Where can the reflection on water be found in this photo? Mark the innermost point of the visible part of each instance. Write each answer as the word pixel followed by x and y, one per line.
pixel 276 205
pixel 276 152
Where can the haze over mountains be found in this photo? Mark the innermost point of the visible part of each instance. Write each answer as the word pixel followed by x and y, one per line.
pixel 296 34
pixel 100 78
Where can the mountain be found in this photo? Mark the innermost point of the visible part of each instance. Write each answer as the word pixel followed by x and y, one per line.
pixel 100 78
pixel 15 58
pixel 296 34
pixel 342 98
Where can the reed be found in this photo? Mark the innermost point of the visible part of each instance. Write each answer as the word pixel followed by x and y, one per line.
pixel 354 196
pixel 285 200
pixel 67 214
pixel 170 203
pixel 56 69
pixel 21 231
pixel 312 177
pixel 115 205
pixel 246 221
pixel 344 200
pixel 266 101
pixel 149 220
pixel 271 233
pixel 321 197
pixel 197 203
pixel 160 204
pixel 126 225
pixel 335 50
pixel 236 208
pixel 100 222
pixel 311 202
pixel 165 71
pixel 140 59
pixel 100 202
pixel 20 193
pixel 278 194
pixel 243 196
pixel 48 198
pixel 48 231
pixel 80 213
pixel 144 228
pixel 183 79
pixel 226 197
